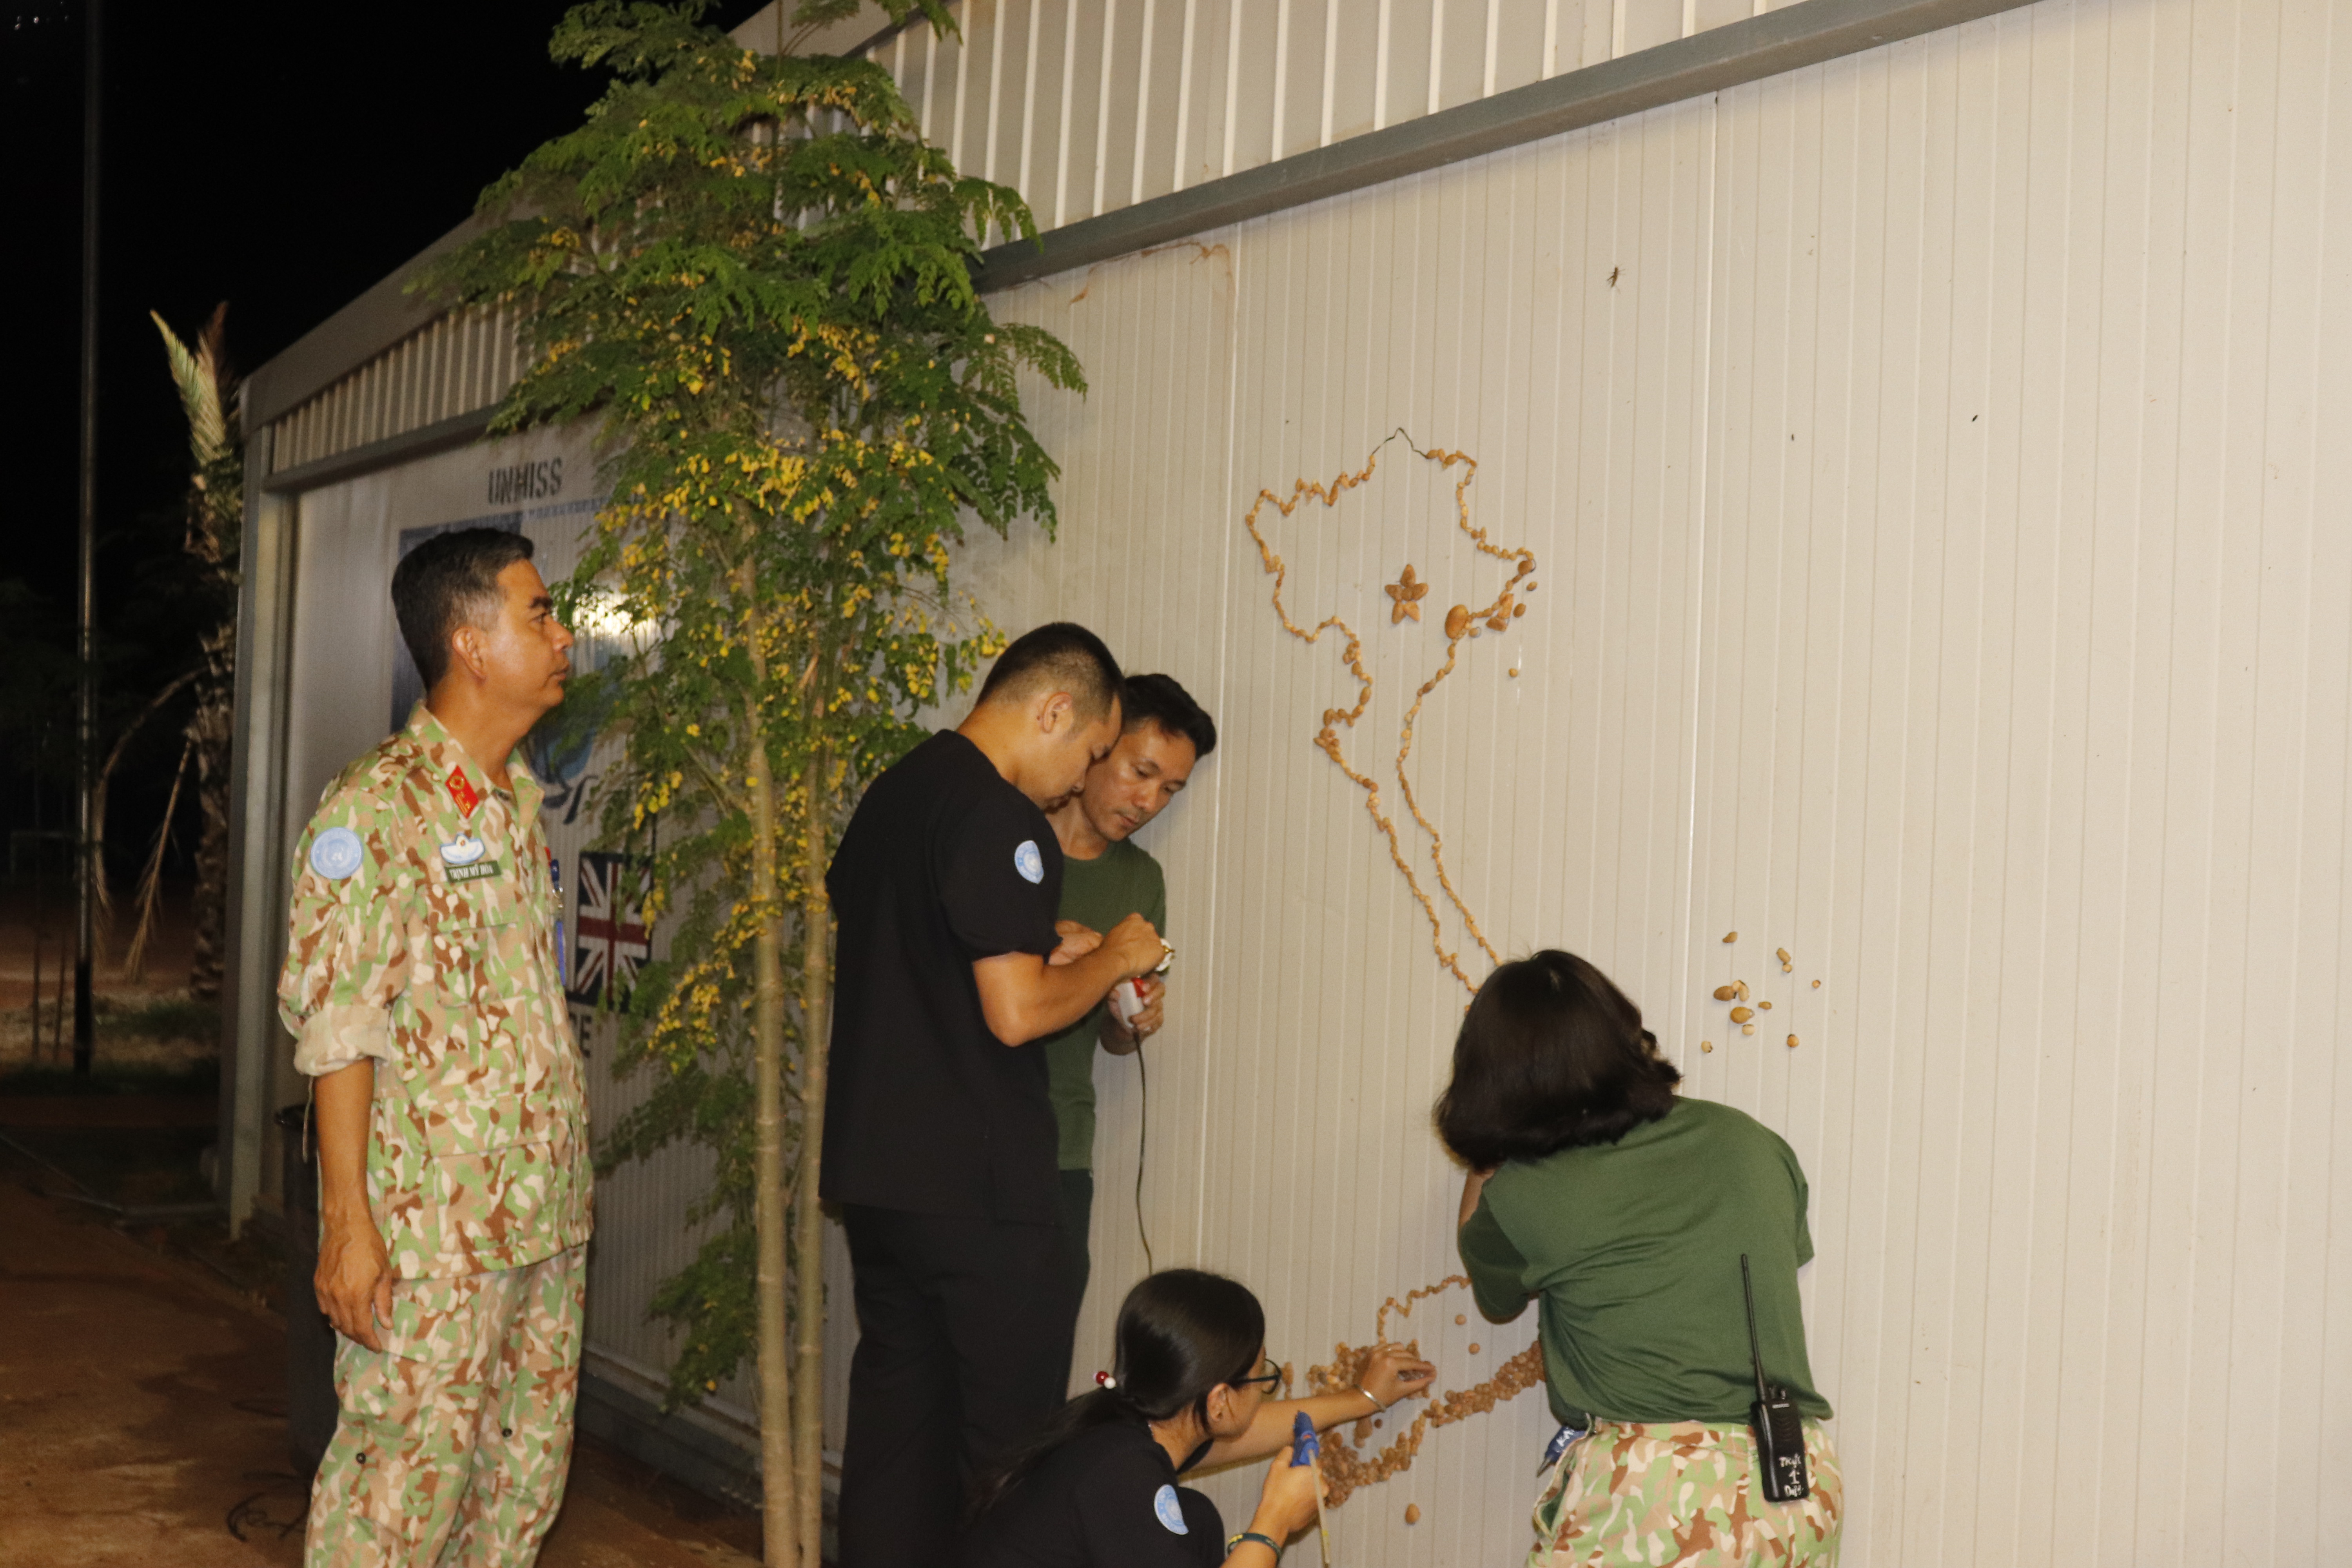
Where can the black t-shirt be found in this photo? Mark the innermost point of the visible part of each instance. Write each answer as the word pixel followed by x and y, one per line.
pixel 1107 1499
pixel 943 864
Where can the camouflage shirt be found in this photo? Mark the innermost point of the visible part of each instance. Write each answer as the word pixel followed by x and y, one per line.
pixel 423 935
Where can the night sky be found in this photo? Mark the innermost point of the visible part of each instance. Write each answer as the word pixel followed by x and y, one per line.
pixel 280 157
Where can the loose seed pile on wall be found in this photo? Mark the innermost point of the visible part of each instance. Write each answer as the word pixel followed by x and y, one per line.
pixel 1737 992
pixel 1346 1466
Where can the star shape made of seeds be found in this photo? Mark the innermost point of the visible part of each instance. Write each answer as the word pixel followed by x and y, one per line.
pixel 1406 593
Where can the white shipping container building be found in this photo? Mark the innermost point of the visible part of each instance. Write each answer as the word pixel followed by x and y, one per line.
pixel 1917 412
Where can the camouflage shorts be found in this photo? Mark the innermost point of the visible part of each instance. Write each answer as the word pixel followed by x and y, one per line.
pixel 453 1442
pixel 1681 1495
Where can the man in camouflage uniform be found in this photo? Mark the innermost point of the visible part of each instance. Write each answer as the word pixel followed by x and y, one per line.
pixel 422 981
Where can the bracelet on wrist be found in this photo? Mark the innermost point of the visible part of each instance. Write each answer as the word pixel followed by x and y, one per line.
pixel 1373 1397
pixel 1267 1542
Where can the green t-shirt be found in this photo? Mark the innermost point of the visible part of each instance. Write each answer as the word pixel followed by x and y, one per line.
pixel 1634 1248
pixel 1099 893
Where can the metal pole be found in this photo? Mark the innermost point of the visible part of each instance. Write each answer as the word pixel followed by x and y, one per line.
pixel 86 943
pixel 40 915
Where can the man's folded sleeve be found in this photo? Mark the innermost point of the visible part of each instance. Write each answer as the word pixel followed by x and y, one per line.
pixel 347 948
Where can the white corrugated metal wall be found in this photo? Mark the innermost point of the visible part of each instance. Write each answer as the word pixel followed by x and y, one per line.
pixel 1925 455
pixel 1089 105
pixel 459 363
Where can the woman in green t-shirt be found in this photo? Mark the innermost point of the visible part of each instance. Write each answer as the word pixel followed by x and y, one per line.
pixel 1624 1211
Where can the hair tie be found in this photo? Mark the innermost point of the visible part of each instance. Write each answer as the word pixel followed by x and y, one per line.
pixel 1105 1380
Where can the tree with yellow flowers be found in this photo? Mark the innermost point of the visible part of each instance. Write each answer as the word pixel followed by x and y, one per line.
pixel 754 275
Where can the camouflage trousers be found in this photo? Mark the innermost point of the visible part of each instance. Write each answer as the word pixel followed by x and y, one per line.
pixel 1682 1494
pixel 454 1441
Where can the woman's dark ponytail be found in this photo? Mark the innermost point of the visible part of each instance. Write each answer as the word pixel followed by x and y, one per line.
pixel 1181 1331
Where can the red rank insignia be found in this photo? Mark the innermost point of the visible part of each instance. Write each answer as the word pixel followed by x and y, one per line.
pixel 463 791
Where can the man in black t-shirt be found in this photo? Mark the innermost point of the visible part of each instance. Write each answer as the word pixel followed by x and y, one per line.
pixel 940 1141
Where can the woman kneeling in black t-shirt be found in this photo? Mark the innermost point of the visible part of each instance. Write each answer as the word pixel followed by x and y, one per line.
pixel 1098 1489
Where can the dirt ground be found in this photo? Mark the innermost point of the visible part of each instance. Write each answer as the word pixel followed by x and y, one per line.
pixel 142 1363
pixel 142 1422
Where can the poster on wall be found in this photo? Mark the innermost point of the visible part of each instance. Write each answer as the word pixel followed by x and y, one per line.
pixel 560 746
pixel 611 940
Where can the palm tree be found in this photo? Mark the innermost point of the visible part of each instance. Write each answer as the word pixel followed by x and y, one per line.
pixel 215 513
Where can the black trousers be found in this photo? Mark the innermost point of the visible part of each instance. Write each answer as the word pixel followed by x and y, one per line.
pixel 1078 1216
pixel 963 1342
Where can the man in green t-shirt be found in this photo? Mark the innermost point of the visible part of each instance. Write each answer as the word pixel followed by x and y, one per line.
pixel 1105 878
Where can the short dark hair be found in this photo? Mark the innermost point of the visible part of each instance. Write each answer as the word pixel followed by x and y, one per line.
pixel 1551 1055
pixel 1158 699
pixel 1059 656
pixel 450 581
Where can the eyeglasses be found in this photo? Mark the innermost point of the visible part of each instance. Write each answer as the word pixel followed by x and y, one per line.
pixel 1268 1374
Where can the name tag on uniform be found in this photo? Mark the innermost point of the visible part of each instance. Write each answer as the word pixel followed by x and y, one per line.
pixel 475 872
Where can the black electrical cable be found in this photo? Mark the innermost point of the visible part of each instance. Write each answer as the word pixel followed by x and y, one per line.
pixel 253 1512
pixel 1142 1131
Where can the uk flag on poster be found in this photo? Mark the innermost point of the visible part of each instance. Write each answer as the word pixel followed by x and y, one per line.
pixel 611 940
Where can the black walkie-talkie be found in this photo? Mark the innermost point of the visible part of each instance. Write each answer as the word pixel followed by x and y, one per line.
pixel 1779 1425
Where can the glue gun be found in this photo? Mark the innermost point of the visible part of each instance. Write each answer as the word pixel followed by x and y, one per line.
pixel 1126 998
pixel 1306 1448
